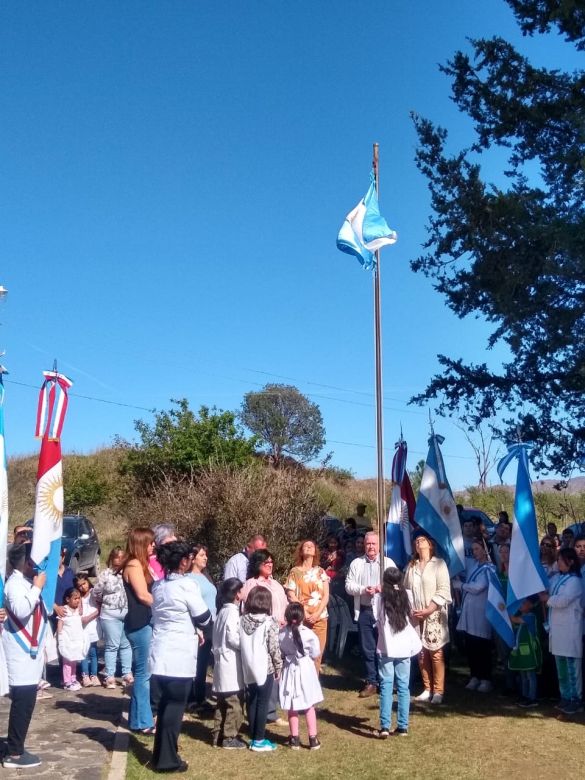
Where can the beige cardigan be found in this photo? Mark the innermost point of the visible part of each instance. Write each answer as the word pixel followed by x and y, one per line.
pixel 433 585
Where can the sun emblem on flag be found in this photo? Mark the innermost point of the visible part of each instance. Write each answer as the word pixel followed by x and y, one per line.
pixel 501 606
pixel 51 497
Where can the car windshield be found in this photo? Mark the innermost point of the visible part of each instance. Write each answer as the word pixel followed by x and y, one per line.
pixel 70 527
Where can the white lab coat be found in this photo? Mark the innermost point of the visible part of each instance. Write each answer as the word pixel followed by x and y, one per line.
pixel 565 617
pixel 227 669
pixel 21 598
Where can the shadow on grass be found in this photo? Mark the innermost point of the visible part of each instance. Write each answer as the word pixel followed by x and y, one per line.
pixel 141 749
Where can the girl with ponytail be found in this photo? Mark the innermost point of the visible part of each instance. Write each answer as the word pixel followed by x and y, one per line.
pixel 299 687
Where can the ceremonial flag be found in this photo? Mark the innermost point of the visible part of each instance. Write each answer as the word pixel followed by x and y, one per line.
pixel 3 495
pixel 526 575
pixel 48 518
pixel 401 511
pixel 365 230
pixel 496 611
pixel 436 512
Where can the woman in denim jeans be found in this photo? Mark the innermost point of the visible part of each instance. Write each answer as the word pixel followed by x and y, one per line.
pixel 109 593
pixel 398 641
pixel 137 624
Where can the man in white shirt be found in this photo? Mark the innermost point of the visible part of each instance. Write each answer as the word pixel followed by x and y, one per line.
pixel 23 638
pixel 362 582
pixel 237 565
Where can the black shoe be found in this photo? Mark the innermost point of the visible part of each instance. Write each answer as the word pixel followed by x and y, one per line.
pixel 399 733
pixel 314 743
pixel 25 761
pixel 183 767
pixel 294 743
pixel 235 743
pixel 526 703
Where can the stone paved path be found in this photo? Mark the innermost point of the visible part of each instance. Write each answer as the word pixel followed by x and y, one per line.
pixel 73 733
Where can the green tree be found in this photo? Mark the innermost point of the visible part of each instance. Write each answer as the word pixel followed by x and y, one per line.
pixel 416 476
pixel 515 254
pixel 85 484
pixel 181 442
pixel 285 421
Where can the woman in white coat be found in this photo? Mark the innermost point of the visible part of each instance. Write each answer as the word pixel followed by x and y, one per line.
pixel 427 578
pixel 228 680
pixel 178 610
pixel 474 623
pixel 565 623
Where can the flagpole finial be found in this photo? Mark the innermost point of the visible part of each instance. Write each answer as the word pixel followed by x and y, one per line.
pixel 55 365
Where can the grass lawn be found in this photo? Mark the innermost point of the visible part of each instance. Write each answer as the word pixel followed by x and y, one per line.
pixel 470 736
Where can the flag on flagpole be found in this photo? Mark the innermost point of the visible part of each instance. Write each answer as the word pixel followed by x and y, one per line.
pixel 526 575
pixel 3 495
pixel 365 230
pixel 48 517
pixel 436 512
pixel 496 611
pixel 401 511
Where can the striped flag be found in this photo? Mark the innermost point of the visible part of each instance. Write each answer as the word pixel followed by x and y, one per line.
pixel 401 511
pixel 3 495
pixel 365 230
pixel 496 611
pixel 436 511
pixel 48 518
pixel 526 575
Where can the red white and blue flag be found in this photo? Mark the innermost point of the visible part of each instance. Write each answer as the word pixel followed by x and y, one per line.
pixel 48 518
pixel 401 511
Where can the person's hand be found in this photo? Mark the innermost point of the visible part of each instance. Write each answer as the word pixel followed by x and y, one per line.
pixel 310 619
pixel 2 615
pixel 419 614
pixel 39 580
pixel 276 677
pixel 370 590
pixel 58 610
pixel 200 637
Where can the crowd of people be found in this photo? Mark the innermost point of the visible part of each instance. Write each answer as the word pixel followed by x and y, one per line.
pixel 164 623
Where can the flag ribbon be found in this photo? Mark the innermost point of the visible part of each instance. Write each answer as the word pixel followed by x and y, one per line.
pixel 519 451
pixel 52 406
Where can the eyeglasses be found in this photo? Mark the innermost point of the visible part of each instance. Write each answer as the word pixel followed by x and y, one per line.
pixel 267 563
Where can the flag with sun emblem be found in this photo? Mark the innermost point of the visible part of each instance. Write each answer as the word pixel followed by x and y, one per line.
pixel 48 519
pixel 436 511
pixel 3 496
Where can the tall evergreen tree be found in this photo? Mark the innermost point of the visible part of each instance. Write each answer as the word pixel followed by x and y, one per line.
pixel 515 254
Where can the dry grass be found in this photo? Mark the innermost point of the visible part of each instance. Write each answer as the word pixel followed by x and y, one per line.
pixel 471 736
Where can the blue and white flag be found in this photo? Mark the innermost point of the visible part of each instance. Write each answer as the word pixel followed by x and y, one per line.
pixel 398 543
pixel 495 609
pixel 365 230
pixel 3 494
pixel 436 511
pixel 526 575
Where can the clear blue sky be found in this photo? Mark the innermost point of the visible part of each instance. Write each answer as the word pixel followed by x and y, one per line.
pixel 174 176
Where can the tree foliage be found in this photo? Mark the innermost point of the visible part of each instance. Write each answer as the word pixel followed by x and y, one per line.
pixel 181 442
pixel 515 254
pixel 285 421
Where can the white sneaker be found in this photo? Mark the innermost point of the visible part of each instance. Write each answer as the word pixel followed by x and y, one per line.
pixel 485 686
pixel 424 696
pixel 472 685
pixel 437 698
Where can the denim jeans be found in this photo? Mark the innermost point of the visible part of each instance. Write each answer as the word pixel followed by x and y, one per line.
pixel 528 685
pixel 89 665
pixel 115 640
pixel 388 669
pixel 140 715
pixel 368 637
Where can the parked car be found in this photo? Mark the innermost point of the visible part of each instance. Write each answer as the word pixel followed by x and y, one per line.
pixel 81 541
pixel 470 512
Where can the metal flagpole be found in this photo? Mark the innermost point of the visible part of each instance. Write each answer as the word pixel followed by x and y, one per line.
pixel 381 491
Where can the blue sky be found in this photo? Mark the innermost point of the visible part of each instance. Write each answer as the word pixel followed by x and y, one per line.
pixel 175 174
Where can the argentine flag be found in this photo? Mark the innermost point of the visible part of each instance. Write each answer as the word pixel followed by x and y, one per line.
pixel 365 230
pixel 3 497
pixel 526 576
pixel 495 609
pixel 436 511
pixel 398 544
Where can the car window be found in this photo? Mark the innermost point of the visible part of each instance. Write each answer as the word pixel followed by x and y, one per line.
pixel 84 527
pixel 70 527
